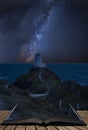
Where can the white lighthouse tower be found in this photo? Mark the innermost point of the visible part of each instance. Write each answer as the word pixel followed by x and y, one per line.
pixel 38 61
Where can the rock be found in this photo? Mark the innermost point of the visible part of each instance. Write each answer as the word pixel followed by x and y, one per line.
pixel 74 93
pixel 67 91
pixel 31 82
pixel 3 82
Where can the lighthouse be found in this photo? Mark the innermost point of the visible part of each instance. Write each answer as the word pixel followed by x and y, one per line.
pixel 38 61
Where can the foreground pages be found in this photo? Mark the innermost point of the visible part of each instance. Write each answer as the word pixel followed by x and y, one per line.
pixel 24 114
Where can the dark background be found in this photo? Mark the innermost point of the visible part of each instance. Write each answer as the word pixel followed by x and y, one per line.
pixel 58 29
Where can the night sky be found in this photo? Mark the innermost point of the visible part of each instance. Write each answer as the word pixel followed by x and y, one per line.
pixel 58 29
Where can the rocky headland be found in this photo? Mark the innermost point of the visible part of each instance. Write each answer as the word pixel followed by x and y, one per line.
pixel 42 89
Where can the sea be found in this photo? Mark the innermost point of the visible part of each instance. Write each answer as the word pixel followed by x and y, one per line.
pixel 72 71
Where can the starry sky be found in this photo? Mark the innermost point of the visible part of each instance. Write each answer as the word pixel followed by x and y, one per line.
pixel 57 29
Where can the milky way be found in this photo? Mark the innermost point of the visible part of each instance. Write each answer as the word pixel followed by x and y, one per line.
pixel 40 24
pixel 58 29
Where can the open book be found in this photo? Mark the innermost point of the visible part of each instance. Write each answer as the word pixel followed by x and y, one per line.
pixel 19 116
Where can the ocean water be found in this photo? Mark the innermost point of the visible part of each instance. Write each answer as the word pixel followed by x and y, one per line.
pixel 76 72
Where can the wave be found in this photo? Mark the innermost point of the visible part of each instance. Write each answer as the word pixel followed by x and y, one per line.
pixel 3 77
